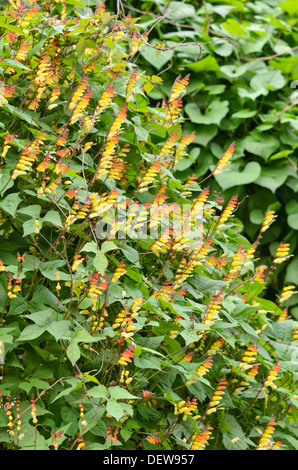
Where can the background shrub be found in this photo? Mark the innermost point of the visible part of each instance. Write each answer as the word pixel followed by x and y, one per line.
pixel 244 87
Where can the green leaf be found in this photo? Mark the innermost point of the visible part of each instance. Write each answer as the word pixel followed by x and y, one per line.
pixel 293 221
pixel 222 328
pixel 205 134
pixel 13 63
pixel 214 113
pixel 115 409
pixel 82 336
pixel 76 3
pixel 10 203
pixel 206 285
pixel 81 46
pixel 272 178
pixel 225 49
pixel 6 334
pixel 189 336
pixel 233 27
pixel 29 227
pixel 261 144
pixel 31 332
pixel 5 180
pixel 244 114
pixel 75 384
pixel 24 115
pixel 209 63
pixel 4 23
pixel 234 438
pixel 41 317
pixel 130 253
pixel 73 351
pixel 119 393
pixel 99 391
pixel 291 276
pixel 108 246
pixel 49 270
pixel 90 246
pixel 230 177
pixel 156 59
pixel 178 10
pixel 289 6
pixel 32 211
pixel 147 361
pixel 266 82
pixel 100 262
pixel 58 329
pixel 233 71
pixel 53 217
pixel 34 382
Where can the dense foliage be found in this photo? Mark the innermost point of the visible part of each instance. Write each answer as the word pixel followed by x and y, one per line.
pixel 244 88
pixel 120 327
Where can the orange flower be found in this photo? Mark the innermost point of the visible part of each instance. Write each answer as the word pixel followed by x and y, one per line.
pixel 153 439
pixel 42 166
pixel 136 43
pixel 97 286
pixel 269 218
pixel 22 52
pixel 192 179
pixel 217 396
pixel 265 440
pixel 212 310
pixel 107 156
pixel 282 253
pixel 259 277
pixel 187 357
pixel 185 408
pixel 105 99
pixel 248 357
pixel 111 436
pixel 236 264
pixel 28 156
pixel 126 356
pixel 276 445
pixel 120 271
pixel 253 371
pixel 216 346
pixel 33 410
pixel 79 92
pixel 150 176
pixel 179 87
pixel 227 212
pixel 272 376
pixel 224 160
pixel 167 148
pixel 129 87
pixel 80 106
pixel 198 442
pixel 204 368
pixel 77 261
pixel 286 293
pixel 120 118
